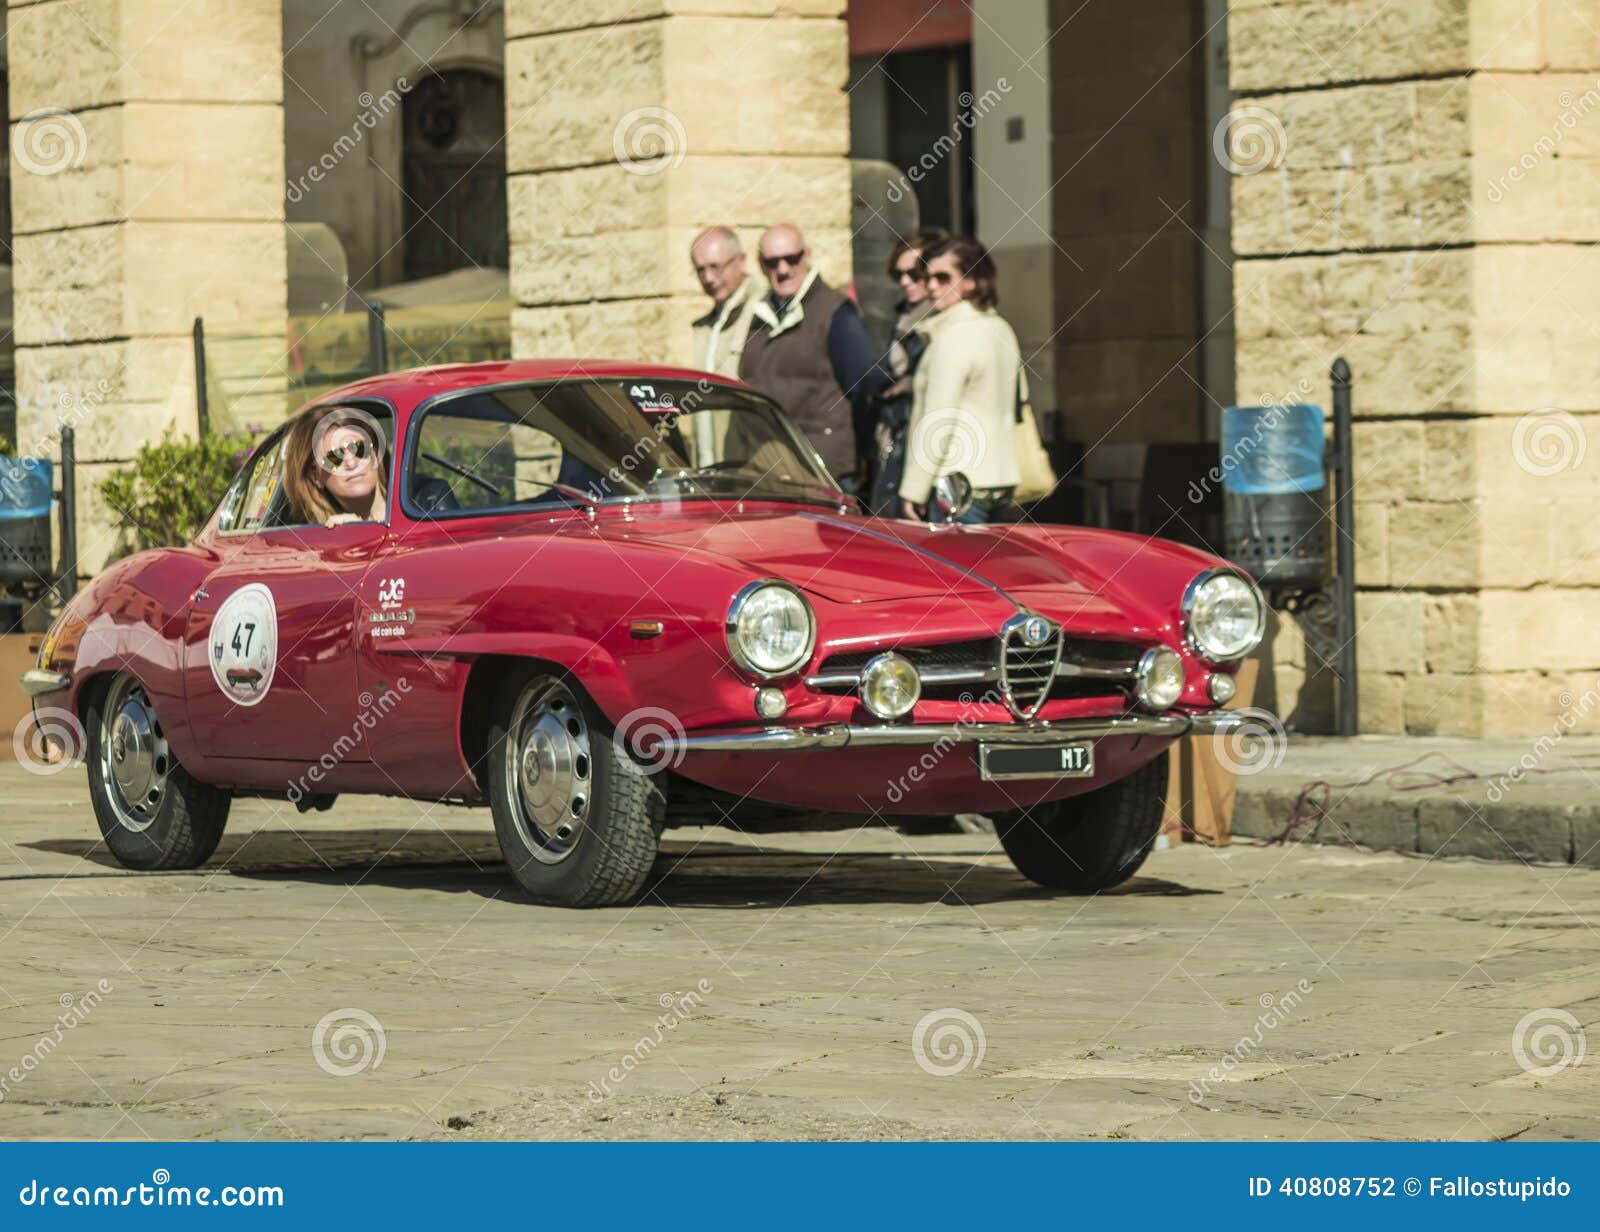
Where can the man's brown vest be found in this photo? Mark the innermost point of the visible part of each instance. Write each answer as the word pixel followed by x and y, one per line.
pixel 793 369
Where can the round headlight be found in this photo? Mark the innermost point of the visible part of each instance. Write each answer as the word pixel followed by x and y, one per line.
pixel 1160 678
pixel 1225 615
pixel 890 686
pixel 770 629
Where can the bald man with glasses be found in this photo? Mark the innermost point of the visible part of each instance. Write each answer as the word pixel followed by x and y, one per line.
pixel 808 349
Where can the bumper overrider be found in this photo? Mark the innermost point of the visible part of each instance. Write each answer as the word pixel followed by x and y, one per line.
pixel 1035 735
pixel 36 681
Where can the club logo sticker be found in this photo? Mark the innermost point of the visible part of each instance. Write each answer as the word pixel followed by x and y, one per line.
pixel 244 644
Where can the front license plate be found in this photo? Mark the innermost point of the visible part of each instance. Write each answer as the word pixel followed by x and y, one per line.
pixel 1068 761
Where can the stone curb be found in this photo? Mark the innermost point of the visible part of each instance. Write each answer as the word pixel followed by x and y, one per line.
pixel 1540 825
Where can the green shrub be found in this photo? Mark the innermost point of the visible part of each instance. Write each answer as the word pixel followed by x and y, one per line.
pixel 164 495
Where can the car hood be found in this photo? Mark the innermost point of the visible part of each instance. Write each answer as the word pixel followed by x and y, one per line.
pixel 857 560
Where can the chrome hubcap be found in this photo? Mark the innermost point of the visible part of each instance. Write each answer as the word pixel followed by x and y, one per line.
pixel 549 771
pixel 134 758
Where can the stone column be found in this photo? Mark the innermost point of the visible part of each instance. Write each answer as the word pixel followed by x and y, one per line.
pixel 631 125
pixel 1420 192
pixel 147 189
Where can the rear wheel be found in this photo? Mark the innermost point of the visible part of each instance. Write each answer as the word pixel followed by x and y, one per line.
pixel 151 813
pixel 577 819
pixel 1089 842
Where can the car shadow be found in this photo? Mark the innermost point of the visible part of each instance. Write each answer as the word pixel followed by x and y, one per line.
pixel 705 874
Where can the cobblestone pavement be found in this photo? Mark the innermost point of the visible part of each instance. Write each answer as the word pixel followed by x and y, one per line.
pixel 368 972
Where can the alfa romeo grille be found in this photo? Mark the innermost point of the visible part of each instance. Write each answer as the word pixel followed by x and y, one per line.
pixel 1030 651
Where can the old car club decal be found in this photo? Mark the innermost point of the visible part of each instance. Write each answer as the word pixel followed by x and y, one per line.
pixel 244 644
pixel 391 620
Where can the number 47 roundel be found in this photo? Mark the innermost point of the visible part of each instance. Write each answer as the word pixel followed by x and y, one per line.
pixel 244 644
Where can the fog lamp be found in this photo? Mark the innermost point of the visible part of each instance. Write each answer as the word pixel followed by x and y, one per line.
pixel 890 686
pixel 771 703
pixel 1160 678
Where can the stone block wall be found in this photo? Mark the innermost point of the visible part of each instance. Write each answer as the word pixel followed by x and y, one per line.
pixel 147 189
pixel 1427 207
pixel 623 141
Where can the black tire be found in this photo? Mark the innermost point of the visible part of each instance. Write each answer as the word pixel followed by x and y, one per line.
pixel 1090 842
pixel 172 820
pixel 597 855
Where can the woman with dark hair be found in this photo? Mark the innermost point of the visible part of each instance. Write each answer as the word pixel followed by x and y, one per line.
pixel 909 273
pixel 966 388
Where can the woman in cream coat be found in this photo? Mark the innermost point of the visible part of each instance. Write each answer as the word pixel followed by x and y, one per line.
pixel 966 387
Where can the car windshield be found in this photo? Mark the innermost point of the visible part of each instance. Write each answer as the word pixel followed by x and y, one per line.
pixel 593 441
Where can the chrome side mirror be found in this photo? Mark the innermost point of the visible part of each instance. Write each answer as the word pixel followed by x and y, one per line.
pixel 952 496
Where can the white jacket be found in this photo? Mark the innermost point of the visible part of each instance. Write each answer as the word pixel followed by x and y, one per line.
pixel 964 402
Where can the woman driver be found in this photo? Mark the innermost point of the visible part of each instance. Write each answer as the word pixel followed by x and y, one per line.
pixel 333 469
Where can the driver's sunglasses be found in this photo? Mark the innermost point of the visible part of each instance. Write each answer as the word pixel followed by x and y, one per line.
pixel 336 457
pixel 941 278
pixel 914 272
pixel 781 259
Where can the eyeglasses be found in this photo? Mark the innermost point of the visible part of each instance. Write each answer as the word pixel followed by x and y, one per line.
pixel 778 260
pixel 716 266
pixel 914 272
pixel 356 451
pixel 940 278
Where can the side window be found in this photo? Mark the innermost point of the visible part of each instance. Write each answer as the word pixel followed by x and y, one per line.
pixel 470 460
pixel 255 496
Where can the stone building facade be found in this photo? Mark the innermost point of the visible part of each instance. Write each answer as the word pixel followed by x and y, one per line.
pixel 1411 186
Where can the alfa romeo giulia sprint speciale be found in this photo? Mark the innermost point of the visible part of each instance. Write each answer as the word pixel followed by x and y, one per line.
pixel 606 598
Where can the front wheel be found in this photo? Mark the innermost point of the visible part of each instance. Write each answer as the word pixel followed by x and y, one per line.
pixel 577 819
pixel 1090 842
pixel 152 813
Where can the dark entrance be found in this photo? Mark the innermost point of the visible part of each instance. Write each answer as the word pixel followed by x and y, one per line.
pixel 455 174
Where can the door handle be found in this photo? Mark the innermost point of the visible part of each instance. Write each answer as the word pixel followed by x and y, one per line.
pixel 200 593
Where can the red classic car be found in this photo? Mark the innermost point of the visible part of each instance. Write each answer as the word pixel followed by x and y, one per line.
pixel 609 598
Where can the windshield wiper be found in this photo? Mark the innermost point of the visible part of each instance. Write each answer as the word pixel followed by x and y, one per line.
pixel 566 489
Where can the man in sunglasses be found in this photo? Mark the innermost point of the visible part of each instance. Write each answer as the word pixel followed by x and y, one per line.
pixel 808 349
pixel 719 264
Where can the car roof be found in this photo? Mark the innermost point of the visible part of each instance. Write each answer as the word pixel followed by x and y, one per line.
pixel 415 384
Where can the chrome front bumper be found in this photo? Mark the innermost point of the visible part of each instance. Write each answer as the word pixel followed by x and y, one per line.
pixel 36 681
pixel 859 736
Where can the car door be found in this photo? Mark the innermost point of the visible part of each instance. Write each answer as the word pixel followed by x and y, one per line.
pixel 269 644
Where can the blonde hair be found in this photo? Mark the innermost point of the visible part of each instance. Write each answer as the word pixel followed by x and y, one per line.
pixel 308 499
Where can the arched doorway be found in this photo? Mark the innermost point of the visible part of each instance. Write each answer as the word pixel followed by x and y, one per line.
pixel 454 162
